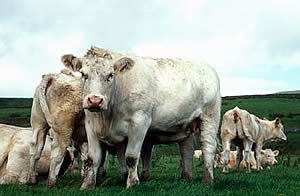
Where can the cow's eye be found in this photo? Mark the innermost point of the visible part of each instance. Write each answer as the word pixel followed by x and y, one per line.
pixel 84 76
pixel 109 77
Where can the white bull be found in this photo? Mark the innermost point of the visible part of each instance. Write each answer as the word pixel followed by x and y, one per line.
pixel 125 98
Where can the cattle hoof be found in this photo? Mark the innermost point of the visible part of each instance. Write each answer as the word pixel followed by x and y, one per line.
pixel 51 183
pixel 87 186
pixel 124 176
pixel 145 176
pixel 132 182
pixel 32 180
pixel 225 171
pixel 186 176
pixel 89 182
pixel 208 178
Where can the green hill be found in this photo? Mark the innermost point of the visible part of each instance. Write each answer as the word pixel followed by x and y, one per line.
pixel 289 92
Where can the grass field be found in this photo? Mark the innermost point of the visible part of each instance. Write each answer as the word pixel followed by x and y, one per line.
pixel 284 179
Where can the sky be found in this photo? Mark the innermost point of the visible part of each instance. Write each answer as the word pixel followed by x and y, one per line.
pixel 253 45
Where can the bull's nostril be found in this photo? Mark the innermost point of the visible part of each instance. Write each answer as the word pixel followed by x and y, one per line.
pixel 100 100
pixel 89 101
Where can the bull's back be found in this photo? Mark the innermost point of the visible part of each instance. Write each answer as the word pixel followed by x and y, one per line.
pixel 180 90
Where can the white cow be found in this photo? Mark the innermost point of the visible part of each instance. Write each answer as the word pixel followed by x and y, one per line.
pixel 246 129
pixel 124 98
pixel 15 156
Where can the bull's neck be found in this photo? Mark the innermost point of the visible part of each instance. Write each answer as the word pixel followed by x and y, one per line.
pixel 265 129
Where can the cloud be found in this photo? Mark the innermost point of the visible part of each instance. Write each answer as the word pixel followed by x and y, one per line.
pixel 245 41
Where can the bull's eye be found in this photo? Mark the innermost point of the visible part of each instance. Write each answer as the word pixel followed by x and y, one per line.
pixel 84 76
pixel 109 77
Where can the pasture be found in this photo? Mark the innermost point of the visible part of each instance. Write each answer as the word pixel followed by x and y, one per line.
pixel 283 179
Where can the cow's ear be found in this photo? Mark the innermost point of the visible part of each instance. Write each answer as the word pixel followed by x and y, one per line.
pixel 71 62
pixel 123 64
pixel 276 152
pixel 277 121
pixel 107 56
pixel 262 151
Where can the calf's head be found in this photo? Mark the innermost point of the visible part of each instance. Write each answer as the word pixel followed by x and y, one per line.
pixel 100 81
pixel 277 130
pixel 269 157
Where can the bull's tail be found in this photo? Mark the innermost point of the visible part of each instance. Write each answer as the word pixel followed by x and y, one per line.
pixel 42 93
pixel 237 118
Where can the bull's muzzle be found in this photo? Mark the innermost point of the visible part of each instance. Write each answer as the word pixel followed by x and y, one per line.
pixel 95 102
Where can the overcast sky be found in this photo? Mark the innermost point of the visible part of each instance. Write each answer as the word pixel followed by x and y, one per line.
pixel 254 45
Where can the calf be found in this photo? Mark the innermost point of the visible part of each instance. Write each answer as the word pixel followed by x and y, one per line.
pixel 268 158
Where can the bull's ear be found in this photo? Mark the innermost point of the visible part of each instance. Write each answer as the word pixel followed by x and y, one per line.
pixel 276 153
pixel 107 56
pixel 71 62
pixel 123 64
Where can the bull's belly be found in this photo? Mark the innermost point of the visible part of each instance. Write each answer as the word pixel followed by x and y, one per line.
pixel 168 118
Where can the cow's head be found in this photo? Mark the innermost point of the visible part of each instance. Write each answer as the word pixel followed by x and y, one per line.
pixel 100 80
pixel 277 130
pixel 269 156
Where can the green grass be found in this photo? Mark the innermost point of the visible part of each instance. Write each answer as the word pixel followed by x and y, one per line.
pixel 283 179
pixel 165 180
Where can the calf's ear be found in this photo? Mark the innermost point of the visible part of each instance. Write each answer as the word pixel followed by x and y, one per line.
pixel 123 64
pixel 71 62
pixel 276 153
pixel 277 121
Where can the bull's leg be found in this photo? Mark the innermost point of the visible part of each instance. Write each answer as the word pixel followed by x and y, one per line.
pixel 36 148
pixel 209 130
pixel 225 154
pixel 137 131
pixel 247 151
pixel 93 160
pixel 146 159
pixel 186 148
pixel 102 170
pixel 83 156
pixel 121 148
pixel 239 157
pixel 58 150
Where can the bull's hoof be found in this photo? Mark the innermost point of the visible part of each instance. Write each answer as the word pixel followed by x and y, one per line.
pixel 145 176
pixel 124 176
pixel 225 171
pixel 186 176
pixel 51 183
pixel 207 178
pixel 32 180
pixel 87 186
pixel 131 182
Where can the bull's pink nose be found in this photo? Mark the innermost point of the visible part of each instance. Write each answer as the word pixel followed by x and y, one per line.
pixel 94 101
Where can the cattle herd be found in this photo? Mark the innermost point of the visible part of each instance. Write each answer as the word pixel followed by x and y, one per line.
pixel 124 104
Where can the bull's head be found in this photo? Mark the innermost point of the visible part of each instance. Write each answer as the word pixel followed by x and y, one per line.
pixel 98 75
pixel 277 130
